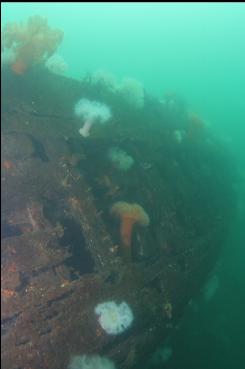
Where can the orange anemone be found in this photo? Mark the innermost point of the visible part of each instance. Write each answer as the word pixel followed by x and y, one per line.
pixel 196 127
pixel 31 43
pixel 19 67
pixel 129 214
pixel 7 164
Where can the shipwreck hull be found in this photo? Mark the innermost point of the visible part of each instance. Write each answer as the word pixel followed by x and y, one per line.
pixel 61 248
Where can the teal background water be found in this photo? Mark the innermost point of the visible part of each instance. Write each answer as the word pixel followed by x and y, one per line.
pixel 198 51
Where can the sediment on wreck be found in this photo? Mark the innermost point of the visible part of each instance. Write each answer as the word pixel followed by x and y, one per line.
pixel 61 248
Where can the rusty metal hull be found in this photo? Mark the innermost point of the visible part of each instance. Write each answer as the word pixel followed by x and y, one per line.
pixel 61 248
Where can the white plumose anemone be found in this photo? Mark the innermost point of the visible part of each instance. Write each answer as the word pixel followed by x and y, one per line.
pixel 132 91
pixel 106 79
pixel 114 318
pixel 120 158
pixel 92 112
pixel 56 64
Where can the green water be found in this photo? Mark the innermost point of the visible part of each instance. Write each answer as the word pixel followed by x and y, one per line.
pixel 198 51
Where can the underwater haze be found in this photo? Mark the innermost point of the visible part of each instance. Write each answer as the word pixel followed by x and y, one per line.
pixel 196 50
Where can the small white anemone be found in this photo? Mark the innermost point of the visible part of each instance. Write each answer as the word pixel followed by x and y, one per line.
pixel 56 64
pixel 162 355
pixel 114 318
pixel 92 112
pixel 166 353
pixel 90 362
pixel 120 158
pixel 107 79
pixel 132 91
pixel 179 135
pixel 211 287
pixel 8 57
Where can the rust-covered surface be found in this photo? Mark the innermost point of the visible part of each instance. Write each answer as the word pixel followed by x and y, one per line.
pixel 61 247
